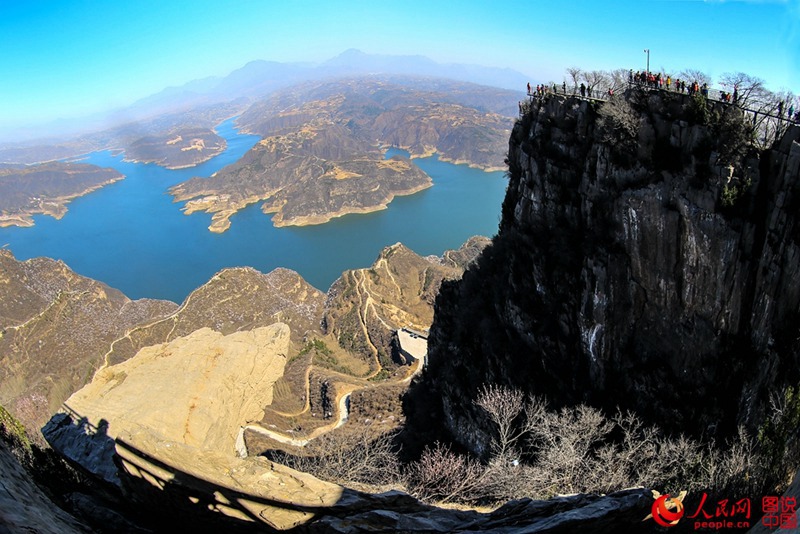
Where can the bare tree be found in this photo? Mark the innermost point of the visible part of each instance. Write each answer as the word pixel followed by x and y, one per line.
pixel 442 475
pixel 618 78
pixel 619 124
pixel 695 75
pixel 503 405
pixel 748 88
pixel 355 454
pixel 575 75
pixel 595 79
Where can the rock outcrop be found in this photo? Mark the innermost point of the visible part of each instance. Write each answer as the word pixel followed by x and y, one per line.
pixel 197 390
pixel 24 507
pixel 162 428
pixel 55 328
pixel 648 259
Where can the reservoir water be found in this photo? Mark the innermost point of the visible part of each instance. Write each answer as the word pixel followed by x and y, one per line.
pixel 131 235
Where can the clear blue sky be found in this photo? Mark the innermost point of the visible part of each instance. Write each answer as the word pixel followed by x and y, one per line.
pixel 68 58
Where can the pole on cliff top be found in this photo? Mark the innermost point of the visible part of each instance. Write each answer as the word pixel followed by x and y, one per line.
pixel 647 51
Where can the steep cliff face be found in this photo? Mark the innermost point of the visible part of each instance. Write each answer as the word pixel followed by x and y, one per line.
pixel 647 258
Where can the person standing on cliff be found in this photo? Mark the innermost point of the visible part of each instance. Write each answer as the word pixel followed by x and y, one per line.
pixel 583 90
pixel 529 88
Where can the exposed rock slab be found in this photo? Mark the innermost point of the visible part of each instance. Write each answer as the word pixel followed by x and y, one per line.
pixel 55 327
pixel 197 390
pixel 211 488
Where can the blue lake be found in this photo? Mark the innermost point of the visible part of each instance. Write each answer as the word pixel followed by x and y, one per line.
pixel 131 235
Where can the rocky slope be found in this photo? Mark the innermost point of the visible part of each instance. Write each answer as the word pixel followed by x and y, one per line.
pixel 46 189
pixel 234 299
pixel 55 327
pixel 321 154
pixel 365 307
pixel 205 386
pixel 647 259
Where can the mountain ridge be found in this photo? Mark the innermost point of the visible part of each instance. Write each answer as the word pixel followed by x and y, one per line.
pixel 253 80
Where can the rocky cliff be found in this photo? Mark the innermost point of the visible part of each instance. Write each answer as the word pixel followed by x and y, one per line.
pixel 648 259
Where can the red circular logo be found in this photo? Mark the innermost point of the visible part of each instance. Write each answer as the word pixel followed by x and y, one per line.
pixel 664 516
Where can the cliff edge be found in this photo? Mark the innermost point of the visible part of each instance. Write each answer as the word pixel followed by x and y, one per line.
pixel 647 259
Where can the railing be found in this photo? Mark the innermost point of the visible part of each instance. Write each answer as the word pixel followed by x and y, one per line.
pixel 603 95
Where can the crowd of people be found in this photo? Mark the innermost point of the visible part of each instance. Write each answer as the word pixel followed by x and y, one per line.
pixel 659 81
pixel 662 82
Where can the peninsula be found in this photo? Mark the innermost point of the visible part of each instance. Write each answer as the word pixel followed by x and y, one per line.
pixel 322 149
pixel 177 149
pixel 27 190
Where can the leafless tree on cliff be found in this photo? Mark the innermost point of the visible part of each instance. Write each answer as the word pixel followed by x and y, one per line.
pixel 575 75
pixel 355 454
pixel 617 80
pixel 619 122
pixel 694 75
pixel 595 80
pixel 748 88
pixel 442 475
pixel 503 406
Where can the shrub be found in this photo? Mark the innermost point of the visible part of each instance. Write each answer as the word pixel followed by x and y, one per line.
pixel 779 436
pixel 351 455
pixel 442 475
pixel 540 453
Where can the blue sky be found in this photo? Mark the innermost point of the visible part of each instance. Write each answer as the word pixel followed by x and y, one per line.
pixel 69 58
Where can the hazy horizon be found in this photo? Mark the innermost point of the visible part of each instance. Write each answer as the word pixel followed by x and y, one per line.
pixel 66 61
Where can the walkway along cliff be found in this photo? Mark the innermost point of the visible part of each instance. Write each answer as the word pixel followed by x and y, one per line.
pixel 648 258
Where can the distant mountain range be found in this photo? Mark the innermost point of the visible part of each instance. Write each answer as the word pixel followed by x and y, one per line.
pixel 251 82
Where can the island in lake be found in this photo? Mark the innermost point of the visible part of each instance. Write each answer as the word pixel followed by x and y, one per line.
pixel 27 190
pixel 322 149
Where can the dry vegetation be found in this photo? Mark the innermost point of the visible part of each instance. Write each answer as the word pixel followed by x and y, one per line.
pixel 539 453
